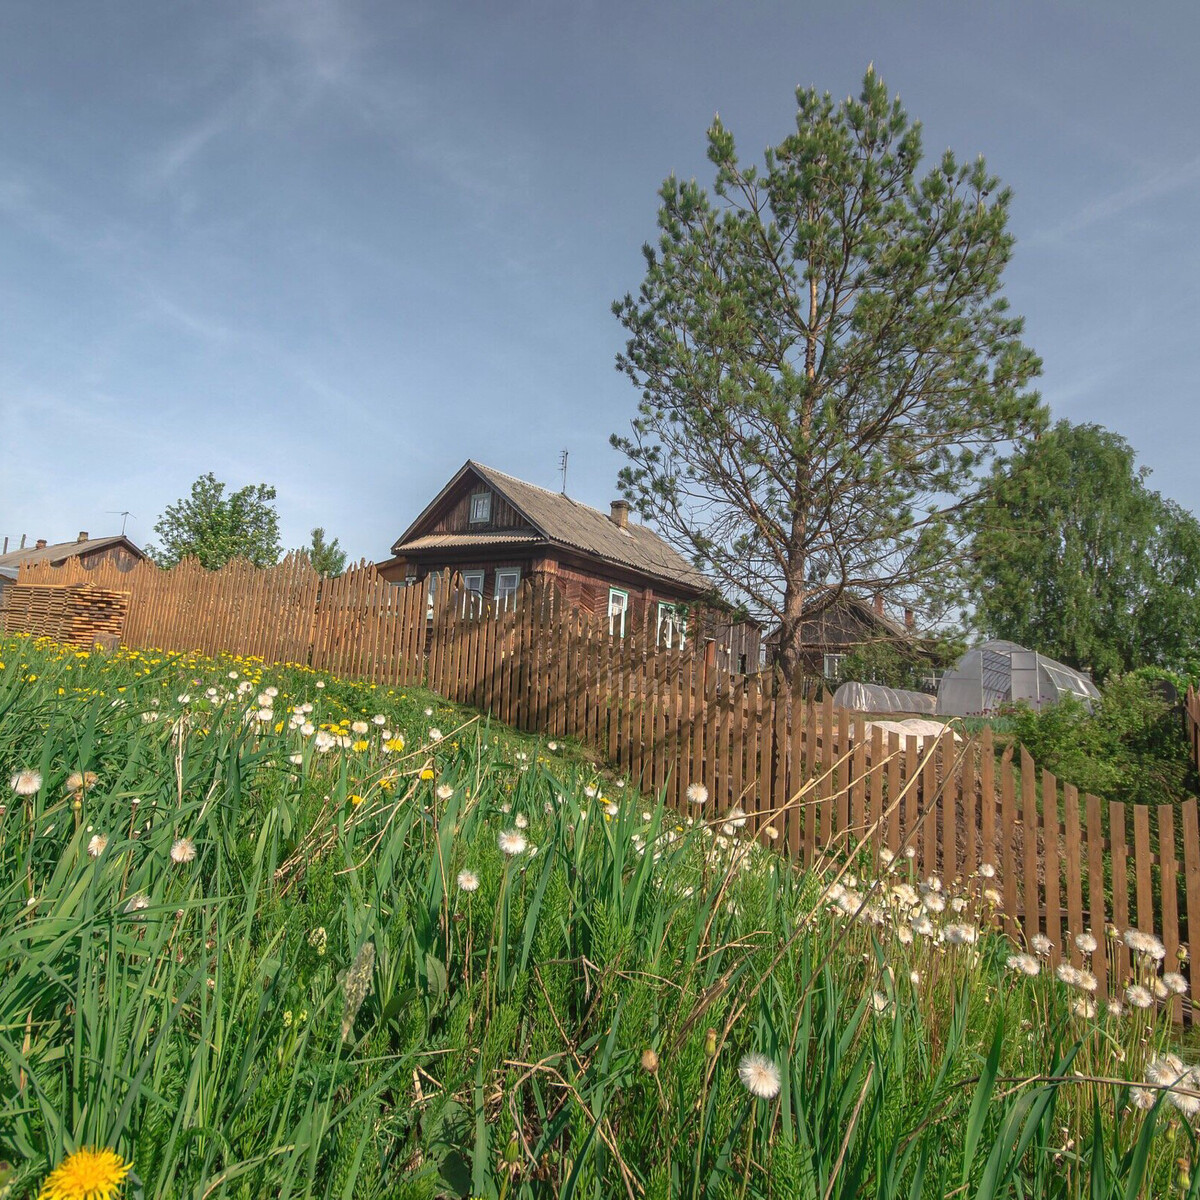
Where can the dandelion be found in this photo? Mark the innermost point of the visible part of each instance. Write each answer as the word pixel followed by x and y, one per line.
pixel 444 791
pixel 987 871
pixel 27 782
pixel 880 1002
pixel 137 904
pixel 922 926
pixel 589 791
pixel 1024 964
pixel 80 781
pixel 320 684
pixel 1085 943
pixel 649 1060
pixel 552 746
pixel 356 986
pixel 935 902
pixel 1145 944
pixel 265 715
pixel 1142 1098
pixel 1084 1007
pixel 1116 1008
pixel 324 741
pixel 394 745
pixel 1041 945
pixel 521 821
pixel 296 759
pixel 885 856
pixel 759 1076
pixel 379 719
pixel 1167 1070
pixel 771 832
pixel 183 850
pixel 272 692
pixel 737 818
pixel 435 735
pixel 359 727
pixel 611 809
pixel 1174 982
pixel 356 800
pixel 697 793
pixel 429 712
pixel 961 935
pixel 468 881
pixel 993 897
pixel 88 1174
pixel 512 841
pixel 97 845
pixel 1137 996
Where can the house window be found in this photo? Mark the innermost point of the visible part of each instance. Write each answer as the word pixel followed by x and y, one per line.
pixel 481 508
pixel 473 585
pixel 508 583
pixel 618 608
pixel 833 666
pixel 672 627
pixel 430 588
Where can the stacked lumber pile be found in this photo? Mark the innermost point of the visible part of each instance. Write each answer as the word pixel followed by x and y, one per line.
pixel 79 614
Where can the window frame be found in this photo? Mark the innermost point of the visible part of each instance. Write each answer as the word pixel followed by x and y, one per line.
pixel 837 659
pixel 502 600
pixel 473 600
pixel 486 499
pixel 677 624
pixel 624 594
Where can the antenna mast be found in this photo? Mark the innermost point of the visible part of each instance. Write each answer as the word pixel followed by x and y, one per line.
pixel 562 466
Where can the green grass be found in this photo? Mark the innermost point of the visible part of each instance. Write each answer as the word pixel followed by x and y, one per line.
pixel 315 1006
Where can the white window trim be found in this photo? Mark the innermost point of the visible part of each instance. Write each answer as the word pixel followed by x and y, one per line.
pixel 624 611
pixel 670 620
pixel 835 661
pixel 502 600
pixel 485 500
pixel 473 585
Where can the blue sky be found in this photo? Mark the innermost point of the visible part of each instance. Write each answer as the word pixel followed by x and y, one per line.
pixel 342 246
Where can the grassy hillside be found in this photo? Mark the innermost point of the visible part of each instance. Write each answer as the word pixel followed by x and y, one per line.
pixel 264 933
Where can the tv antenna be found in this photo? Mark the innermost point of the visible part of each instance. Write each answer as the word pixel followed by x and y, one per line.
pixel 562 466
pixel 124 514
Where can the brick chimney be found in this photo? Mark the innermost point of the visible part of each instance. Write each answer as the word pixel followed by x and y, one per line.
pixel 910 619
pixel 41 544
pixel 879 604
pixel 618 513
pixel 83 537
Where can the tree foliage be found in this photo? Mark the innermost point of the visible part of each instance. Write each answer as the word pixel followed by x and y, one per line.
pixel 327 558
pixel 1130 748
pixel 825 360
pixel 214 528
pixel 1074 556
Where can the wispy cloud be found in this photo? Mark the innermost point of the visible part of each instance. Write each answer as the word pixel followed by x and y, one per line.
pixel 1141 192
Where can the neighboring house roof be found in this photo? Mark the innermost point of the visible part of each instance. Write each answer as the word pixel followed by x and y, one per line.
pixel 61 551
pixel 816 631
pixel 564 522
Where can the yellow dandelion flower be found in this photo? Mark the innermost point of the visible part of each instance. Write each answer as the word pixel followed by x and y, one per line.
pixel 360 744
pixel 356 799
pixel 427 774
pixel 88 1174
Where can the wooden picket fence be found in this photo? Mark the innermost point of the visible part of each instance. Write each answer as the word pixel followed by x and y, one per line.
pixel 816 782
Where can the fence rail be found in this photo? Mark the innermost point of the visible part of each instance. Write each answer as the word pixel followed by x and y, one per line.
pixel 812 780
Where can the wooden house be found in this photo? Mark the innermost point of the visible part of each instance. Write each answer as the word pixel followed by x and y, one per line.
pixel 90 552
pixel 846 625
pixel 499 532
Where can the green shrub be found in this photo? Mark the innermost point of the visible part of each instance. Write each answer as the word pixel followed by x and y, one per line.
pixel 1131 747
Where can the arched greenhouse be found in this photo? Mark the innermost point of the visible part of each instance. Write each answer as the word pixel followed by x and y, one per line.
pixel 999 673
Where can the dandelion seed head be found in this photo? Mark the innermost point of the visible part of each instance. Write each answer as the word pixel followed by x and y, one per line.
pixel 468 881
pixel 512 841
pixel 697 793
pixel 183 850
pixel 26 782
pixel 759 1076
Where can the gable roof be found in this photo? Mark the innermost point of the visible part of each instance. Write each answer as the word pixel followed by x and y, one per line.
pixel 847 609
pixel 565 522
pixel 61 551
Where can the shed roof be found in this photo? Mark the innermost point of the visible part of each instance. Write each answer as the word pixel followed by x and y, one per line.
pixel 559 519
pixel 61 551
